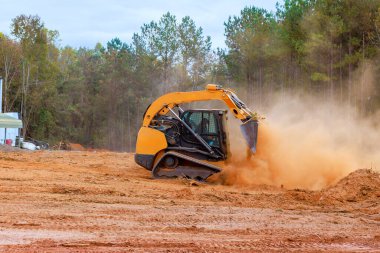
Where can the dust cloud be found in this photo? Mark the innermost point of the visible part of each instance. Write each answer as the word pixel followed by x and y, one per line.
pixel 303 143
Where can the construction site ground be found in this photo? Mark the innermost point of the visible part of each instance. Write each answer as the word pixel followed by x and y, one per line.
pixel 61 201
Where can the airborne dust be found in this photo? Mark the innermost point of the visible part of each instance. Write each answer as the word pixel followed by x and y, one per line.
pixel 304 143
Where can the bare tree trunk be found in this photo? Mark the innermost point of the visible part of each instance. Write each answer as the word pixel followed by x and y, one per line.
pixel 23 97
pixel 250 85
pixel 6 72
pixel 22 90
pixel 137 118
pixel 349 72
pixel 331 70
pixel 184 77
pixel 295 79
pixel 362 104
pixel 8 77
pixel 340 74
pixel 283 82
pixel 25 117
pixel 260 86
pixel 129 127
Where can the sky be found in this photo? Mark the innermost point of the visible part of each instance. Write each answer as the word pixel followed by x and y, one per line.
pixel 83 23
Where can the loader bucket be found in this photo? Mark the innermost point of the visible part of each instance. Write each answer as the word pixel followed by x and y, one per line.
pixel 249 130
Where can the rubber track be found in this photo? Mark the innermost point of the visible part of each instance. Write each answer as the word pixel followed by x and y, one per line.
pixel 214 169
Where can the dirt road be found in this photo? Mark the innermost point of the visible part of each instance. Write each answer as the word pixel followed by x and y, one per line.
pixel 53 201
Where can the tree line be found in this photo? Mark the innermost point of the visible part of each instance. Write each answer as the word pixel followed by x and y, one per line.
pixel 97 96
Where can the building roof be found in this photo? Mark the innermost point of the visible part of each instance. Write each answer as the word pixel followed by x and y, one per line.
pixel 7 121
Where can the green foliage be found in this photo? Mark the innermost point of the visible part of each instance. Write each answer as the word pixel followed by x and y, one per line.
pixel 315 76
pixel 315 41
pixel 291 15
pixel 178 51
pixel 162 41
pixel 194 50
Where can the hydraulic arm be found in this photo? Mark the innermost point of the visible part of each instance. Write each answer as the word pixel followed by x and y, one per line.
pixel 212 92
pixel 239 110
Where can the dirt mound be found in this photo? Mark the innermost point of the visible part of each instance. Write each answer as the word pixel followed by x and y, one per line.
pixel 8 148
pixel 360 185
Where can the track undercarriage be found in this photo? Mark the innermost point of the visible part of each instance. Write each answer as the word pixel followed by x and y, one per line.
pixel 173 164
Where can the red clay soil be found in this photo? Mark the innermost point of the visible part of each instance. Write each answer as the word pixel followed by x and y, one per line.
pixel 59 201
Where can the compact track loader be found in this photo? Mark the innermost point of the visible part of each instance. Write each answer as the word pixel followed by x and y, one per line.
pixel 192 143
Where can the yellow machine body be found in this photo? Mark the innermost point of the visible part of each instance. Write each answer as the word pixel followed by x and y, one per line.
pixel 157 150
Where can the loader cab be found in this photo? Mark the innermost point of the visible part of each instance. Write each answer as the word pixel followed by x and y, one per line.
pixel 210 125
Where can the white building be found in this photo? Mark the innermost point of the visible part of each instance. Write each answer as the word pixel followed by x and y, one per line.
pixel 10 126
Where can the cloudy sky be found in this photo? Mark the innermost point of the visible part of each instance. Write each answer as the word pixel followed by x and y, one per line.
pixel 86 22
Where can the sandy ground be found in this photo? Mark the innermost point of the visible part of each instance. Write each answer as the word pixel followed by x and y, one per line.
pixel 56 201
